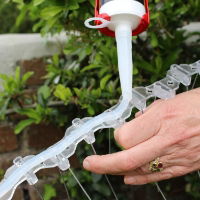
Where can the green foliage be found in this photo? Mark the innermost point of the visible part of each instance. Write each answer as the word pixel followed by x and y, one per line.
pixel 84 80
pixel 97 183
pixel 52 15
pixel 14 84
pixel 63 93
pixel 192 186
pixel 44 92
pixel 2 172
pixel 13 89
pixel 35 115
pixel 49 192
pixel 8 15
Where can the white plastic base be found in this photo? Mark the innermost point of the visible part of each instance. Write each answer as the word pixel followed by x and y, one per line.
pixel 116 7
pixel 123 11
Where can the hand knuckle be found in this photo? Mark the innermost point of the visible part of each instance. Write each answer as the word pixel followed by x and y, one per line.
pixel 168 110
pixel 120 137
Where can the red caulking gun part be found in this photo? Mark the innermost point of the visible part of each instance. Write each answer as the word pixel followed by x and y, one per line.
pixel 144 23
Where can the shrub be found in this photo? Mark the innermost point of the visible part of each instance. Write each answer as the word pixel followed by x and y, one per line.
pixel 85 78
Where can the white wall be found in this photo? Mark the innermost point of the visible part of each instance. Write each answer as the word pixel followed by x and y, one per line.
pixel 15 47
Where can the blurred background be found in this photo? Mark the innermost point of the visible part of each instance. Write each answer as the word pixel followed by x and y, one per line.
pixel 53 69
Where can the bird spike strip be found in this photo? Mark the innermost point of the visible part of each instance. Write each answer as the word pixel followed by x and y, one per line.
pixel 24 169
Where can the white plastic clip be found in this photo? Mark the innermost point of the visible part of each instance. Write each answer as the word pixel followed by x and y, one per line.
pixel 139 98
pixel 63 162
pixel 77 122
pixel 162 92
pixel 30 177
pixel 104 24
pixel 196 66
pixel 90 139
pixel 179 75
pixel 120 123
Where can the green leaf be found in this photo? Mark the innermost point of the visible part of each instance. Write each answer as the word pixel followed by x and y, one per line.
pixel 154 40
pixel 159 63
pixel 96 93
pixel 55 60
pixel 90 110
pixel 2 172
pixel 26 77
pixel 4 107
pixel 51 11
pixel 90 67
pixel 38 2
pixel 92 2
pixel 135 71
pixel 45 91
pixel 172 57
pixel 21 2
pixel 34 114
pixel 77 91
pixel 17 74
pixel 104 81
pixel 146 66
pixel 22 125
pixel 49 192
pixel 20 18
pixel 72 5
pixel 62 93
pixel 4 77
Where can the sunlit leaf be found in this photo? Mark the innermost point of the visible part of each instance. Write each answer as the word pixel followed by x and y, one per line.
pixel 23 124
pixel 37 2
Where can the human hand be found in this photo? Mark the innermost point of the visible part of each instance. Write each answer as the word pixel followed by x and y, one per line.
pixel 168 129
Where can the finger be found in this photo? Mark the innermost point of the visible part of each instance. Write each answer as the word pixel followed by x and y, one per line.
pixel 138 114
pixel 125 160
pixel 155 177
pixel 144 179
pixel 166 162
pixel 139 129
pixel 136 172
pixel 145 169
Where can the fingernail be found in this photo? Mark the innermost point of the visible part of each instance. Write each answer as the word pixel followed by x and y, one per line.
pixel 86 164
pixel 129 180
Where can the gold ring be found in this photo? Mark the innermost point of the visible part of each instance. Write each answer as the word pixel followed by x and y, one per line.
pixel 156 165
